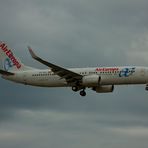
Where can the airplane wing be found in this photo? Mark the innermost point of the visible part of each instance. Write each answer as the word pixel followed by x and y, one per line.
pixel 6 73
pixel 70 76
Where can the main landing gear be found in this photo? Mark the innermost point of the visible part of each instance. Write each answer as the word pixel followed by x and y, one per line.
pixel 82 93
pixel 77 88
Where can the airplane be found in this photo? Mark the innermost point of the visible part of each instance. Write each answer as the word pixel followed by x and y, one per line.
pixel 99 79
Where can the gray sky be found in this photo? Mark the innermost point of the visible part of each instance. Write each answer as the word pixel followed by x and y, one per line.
pixel 75 33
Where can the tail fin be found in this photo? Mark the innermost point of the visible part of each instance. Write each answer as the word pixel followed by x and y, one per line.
pixel 8 61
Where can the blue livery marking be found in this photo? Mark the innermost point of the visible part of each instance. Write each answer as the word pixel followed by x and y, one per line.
pixel 126 72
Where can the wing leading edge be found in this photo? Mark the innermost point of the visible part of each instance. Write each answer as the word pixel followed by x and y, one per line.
pixel 70 76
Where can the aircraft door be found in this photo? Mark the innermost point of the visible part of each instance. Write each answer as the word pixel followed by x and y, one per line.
pixel 142 72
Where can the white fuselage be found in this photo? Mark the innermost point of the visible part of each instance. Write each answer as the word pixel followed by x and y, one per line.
pixel 108 75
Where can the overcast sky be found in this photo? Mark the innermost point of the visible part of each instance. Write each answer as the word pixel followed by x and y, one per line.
pixel 75 33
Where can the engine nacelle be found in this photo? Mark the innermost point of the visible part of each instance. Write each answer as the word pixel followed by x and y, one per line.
pixel 90 81
pixel 104 89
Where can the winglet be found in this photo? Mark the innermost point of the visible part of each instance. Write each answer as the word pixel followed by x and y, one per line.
pixel 32 53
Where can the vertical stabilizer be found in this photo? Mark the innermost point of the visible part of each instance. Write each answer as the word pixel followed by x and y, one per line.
pixel 8 61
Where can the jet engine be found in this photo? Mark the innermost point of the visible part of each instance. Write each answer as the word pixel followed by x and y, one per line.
pixel 104 89
pixel 90 81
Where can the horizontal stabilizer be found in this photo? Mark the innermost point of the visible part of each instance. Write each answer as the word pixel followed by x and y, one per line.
pixel 6 73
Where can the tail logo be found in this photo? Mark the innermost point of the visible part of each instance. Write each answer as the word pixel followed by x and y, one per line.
pixel 10 55
pixel 8 64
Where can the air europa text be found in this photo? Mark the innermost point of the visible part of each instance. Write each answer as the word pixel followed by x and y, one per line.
pixel 8 52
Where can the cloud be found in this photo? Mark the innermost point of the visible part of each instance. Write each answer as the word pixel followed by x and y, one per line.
pixel 74 34
pixel 138 50
pixel 52 128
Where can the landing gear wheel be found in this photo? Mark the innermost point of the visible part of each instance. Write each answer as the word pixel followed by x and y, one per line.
pixel 75 88
pixel 82 93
